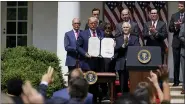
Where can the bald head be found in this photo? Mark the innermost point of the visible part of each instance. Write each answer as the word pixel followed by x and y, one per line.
pixel 92 22
pixel 76 24
pixel 125 15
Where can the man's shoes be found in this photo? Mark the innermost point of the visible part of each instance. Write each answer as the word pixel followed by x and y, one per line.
pixel 183 92
pixel 176 84
pixel 106 98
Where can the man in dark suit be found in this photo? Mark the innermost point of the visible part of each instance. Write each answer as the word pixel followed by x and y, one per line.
pixel 182 38
pixel 96 13
pixel 125 15
pixel 122 42
pixel 174 27
pixel 88 62
pixel 155 31
pixel 70 44
pixel 64 93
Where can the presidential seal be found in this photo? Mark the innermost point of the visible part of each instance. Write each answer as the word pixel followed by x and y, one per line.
pixel 91 77
pixel 144 56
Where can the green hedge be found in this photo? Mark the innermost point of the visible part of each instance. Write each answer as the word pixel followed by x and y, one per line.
pixel 30 63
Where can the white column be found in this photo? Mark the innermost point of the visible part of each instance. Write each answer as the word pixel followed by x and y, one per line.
pixel 66 12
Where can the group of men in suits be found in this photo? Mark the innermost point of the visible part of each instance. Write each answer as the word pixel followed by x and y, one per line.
pixel 127 34
pixel 177 28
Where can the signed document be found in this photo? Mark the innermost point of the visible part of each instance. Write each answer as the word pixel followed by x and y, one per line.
pixel 107 47
pixel 94 46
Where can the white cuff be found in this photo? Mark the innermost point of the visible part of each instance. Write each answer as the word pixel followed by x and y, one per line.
pixel 44 82
pixel 150 33
pixel 123 46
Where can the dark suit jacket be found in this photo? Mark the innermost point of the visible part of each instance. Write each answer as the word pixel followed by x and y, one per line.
pixel 174 18
pixel 100 25
pixel 64 94
pixel 82 47
pixel 162 34
pixel 58 100
pixel 70 47
pixel 55 100
pixel 134 29
pixel 121 53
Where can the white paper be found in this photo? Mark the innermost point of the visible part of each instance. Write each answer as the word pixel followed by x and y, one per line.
pixel 107 47
pixel 94 46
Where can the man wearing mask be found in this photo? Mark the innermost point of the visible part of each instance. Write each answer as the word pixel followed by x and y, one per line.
pixel 70 40
pixel 174 27
pixel 155 31
pixel 96 13
pixel 125 15
pixel 122 42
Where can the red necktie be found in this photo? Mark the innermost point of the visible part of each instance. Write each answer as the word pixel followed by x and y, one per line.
pixel 94 34
pixel 153 24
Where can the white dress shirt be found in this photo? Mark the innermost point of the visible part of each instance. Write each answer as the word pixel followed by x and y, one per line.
pixel 155 25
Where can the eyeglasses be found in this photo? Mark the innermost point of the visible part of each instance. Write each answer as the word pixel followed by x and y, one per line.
pixel 76 23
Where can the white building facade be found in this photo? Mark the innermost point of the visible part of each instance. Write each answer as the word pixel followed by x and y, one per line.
pixel 43 24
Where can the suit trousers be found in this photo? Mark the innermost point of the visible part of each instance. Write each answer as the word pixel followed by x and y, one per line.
pixel 123 79
pixel 162 56
pixel 183 70
pixel 176 61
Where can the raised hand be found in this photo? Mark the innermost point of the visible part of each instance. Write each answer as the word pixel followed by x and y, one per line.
pixel 48 77
pixel 163 72
pixel 153 78
pixel 31 95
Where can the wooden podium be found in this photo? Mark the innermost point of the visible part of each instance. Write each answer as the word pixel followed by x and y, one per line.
pixel 138 71
pixel 136 77
pixel 106 77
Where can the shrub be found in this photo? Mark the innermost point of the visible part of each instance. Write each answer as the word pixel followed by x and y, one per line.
pixel 30 63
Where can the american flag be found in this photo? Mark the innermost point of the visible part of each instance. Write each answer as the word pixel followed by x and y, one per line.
pixel 139 12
